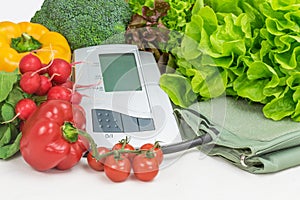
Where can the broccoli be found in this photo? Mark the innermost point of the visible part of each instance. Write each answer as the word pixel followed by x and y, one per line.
pixel 84 23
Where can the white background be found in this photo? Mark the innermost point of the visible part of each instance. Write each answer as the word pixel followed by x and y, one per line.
pixel 187 176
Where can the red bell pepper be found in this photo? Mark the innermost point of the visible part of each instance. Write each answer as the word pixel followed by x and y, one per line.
pixel 49 138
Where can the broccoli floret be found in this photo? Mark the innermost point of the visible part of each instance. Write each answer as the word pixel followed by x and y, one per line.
pixel 84 23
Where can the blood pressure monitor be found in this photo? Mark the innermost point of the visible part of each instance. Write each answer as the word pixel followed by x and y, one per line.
pixel 122 96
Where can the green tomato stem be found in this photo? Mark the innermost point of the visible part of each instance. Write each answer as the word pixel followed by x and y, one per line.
pixel 116 153
pixel 92 143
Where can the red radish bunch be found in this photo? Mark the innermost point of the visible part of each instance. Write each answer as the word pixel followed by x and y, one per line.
pixel 51 80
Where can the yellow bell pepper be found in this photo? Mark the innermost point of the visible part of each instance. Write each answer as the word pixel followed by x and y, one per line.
pixel 18 39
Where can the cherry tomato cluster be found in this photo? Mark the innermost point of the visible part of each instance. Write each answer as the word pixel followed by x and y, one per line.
pixel 123 158
pixel 51 81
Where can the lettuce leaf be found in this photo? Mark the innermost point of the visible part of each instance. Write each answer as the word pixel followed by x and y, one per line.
pixel 244 48
pixel 280 107
pixel 174 85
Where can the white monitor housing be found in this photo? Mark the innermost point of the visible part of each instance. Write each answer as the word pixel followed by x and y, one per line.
pixel 124 97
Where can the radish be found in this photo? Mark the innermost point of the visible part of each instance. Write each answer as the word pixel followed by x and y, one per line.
pixel 61 69
pixel 68 84
pixel 45 86
pixel 29 63
pixel 30 82
pixel 76 97
pixel 24 108
pixel 59 92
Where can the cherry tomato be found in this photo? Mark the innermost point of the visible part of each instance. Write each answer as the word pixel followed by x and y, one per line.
pixel 124 143
pixel 95 164
pixel 145 168
pixel 156 150
pixel 117 169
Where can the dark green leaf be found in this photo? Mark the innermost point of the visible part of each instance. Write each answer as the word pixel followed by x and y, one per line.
pixel 7 112
pixel 14 96
pixel 7 81
pixel 6 137
pixel 9 150
pixel 3 129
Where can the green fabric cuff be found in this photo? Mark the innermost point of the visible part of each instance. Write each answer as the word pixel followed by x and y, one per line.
pixel 245 137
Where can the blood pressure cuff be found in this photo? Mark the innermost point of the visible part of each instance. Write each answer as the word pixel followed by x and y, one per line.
pixel 242 135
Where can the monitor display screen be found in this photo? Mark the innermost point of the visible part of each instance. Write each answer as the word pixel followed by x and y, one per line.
pixel 120 72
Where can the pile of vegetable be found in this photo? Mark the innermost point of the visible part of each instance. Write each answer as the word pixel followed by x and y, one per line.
pixel 241 48
pixel 25 45
pixel 34 87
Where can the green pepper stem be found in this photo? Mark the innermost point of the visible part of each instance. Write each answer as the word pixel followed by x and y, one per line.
pixel 70 133
pixel 25 43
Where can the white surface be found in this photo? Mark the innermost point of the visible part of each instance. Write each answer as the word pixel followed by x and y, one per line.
pixel 191 176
